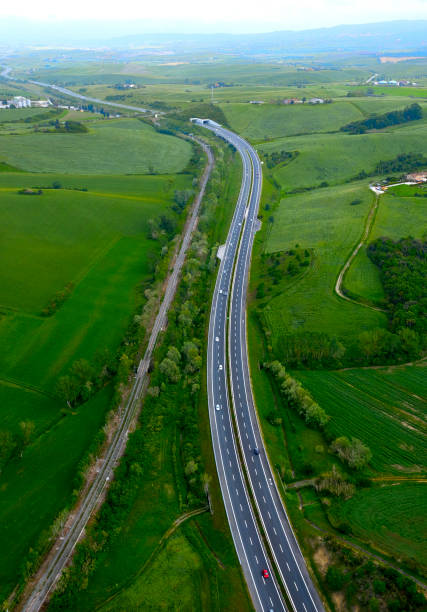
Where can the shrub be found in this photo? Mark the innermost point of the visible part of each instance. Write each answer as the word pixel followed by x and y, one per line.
pixel 353 452
pixel 335 578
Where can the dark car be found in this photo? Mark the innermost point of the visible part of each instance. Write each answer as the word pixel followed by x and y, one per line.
pixel 256 451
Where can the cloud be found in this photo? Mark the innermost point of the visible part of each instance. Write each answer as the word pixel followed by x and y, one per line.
pixel 244 14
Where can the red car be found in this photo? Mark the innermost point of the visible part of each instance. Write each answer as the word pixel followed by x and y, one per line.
pixel 265 574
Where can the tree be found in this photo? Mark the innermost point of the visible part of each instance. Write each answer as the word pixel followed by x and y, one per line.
pixel 68 389
pixel 174 354
pixel 170 370
pixel 353 452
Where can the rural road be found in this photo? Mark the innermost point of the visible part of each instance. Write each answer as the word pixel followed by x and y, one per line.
pixel 227 337
pixel 49 574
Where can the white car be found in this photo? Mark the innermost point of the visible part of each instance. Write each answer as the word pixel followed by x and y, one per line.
pixel 218 407
pixel 220 366
pixel 217 339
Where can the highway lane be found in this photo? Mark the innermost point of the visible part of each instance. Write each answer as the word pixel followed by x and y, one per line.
pixel 52 570
pixel 275 522
pixel 250 549
pixel 277 527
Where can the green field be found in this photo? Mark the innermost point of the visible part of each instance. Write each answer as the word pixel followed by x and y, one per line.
pixel 126 146
pixel 336 158
pixel 176 578
pixel 14 114
pixel 390 518
pixel 325 221
pixel 265 121
pixel 37 486
pixel 397 216
pixel 97 240
pixel 60 236
pixel 385 408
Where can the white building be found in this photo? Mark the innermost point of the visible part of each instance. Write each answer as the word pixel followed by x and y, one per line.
pixel 41 103
pixel 19 102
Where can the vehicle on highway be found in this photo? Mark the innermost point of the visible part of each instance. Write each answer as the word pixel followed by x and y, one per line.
pixel 217 339
pixel 265 574
pixel 220 366
pixel 218 407
pixel 256 451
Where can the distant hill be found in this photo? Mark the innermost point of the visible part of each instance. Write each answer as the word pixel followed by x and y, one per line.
pixel 390 37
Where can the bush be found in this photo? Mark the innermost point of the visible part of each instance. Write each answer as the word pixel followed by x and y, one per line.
pixel 335 578
pixel 353 452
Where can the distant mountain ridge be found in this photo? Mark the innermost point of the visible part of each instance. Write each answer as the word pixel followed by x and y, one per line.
pixel 391 36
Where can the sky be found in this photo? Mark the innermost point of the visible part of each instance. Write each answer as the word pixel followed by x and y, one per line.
pixel 223 15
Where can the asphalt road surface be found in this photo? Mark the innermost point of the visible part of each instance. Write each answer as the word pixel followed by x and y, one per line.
pixel 229 306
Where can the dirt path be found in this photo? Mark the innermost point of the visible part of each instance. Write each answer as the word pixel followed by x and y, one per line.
pixel 340 279
pixel 367 552
pixel 177 522
pixel 387 367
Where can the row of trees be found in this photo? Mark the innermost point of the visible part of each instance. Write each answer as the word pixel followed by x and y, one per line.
pixel 404 162
pixel 67 127
pixel 57 300
pixel 379 122
pixel 297 397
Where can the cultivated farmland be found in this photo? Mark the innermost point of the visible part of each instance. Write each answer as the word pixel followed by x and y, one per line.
pixel 390 517
pixel 387 414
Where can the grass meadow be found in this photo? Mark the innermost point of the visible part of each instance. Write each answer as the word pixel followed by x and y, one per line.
pixel 265 121
pixel 391 518
pixel 335 158
pixel 127 146
pixel 325 222
pixel 397 216
pixel 14 114
pixel 36 487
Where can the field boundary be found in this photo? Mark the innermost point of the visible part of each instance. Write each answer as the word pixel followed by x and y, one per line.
pixel 365 551
pixel 177 523
pixel 339 289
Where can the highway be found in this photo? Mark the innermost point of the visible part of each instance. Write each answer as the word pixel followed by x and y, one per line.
pixel 6 74
pixel 52 569
pixel 229 303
